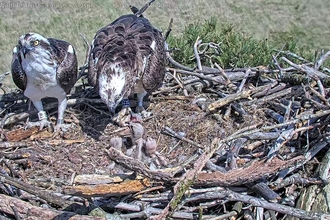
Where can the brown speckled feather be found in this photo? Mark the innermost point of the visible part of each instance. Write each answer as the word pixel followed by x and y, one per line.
pixel 67 71
pixel 127 43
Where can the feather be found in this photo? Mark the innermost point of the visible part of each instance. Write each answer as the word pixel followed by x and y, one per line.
pixel 44 67
pixel 132 46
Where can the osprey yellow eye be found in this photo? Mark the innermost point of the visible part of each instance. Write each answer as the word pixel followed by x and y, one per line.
pixel 36 43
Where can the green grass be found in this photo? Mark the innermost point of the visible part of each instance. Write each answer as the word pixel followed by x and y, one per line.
pixel 241 26
pixel 237 48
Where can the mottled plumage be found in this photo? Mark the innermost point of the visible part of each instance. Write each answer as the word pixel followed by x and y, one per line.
pixel 126 57
pixel 44 67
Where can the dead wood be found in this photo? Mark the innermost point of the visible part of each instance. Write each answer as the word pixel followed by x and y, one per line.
pixel 233 196
pixel 264 191
pixel 134 165
pixel 95 179
pixel 217 79
pixel 48 196
pixel 230 98
pixel 255 171
pixel 186 181
pixel 24 210
pixel 120 189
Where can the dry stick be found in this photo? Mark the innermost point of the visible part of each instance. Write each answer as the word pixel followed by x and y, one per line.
pixel 85 66
pixel 247 128
pixel 293 121
pixel 169 29
pixel 140 12
pixel 309 70
pixel 271 88
pixel 319 96
pixel 319 63
pixel 169 131
pixel 229 195
pixel 228 99
pixel 247 73
pixel 189 98
pixel 310 154
pixel 175 63
pixel 28 211
pixel 293 55
pixel 198 59
pixel 319 84
pixel 49 197
pixel 151 210
pixel 187 180
pixel 223 73
pixel 295 179
pixel 136 165
pixel 269 97
pixel 284 137
pixel 179 83
pixel 200 75
pixel 277 65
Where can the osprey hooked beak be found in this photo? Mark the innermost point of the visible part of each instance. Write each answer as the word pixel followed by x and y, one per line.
pixel 112 110
pixel 25 50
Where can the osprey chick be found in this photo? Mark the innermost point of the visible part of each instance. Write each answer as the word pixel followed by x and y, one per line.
pixel 126 57
pixel 44 67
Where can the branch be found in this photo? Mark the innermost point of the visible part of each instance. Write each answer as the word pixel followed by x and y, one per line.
pixel 140 12
pixel 49 197
pixel 319 63
pixel 28 211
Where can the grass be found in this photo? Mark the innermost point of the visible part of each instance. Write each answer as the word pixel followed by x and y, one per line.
pixel 253 27
pixel 237 48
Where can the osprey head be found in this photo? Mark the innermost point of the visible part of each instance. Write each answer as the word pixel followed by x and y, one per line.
pixel 112 87
pixel 32 44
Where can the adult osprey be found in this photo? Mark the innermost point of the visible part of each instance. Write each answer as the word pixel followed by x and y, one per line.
pixel 44 67
pixel 126 57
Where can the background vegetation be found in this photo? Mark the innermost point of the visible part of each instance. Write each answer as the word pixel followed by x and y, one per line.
pixel 248 30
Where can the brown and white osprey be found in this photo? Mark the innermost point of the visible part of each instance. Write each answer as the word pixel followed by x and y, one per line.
pixel 44 67
pixel 126 57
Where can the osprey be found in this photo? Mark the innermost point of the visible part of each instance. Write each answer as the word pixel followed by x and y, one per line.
pixel 126 57
pixel 44 67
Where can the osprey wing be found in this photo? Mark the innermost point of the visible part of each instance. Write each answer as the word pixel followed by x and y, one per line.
pixel 65 56
pixel 112 49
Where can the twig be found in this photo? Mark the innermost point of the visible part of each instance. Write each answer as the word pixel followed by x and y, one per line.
pixel 177 64
pixel 25 210
pixel 198 59
pixel 200 75
pixel 140 12
pixel 85 66
pixel 247 73
pixel 293 55
pixel 169 131
pixel 265 128
pixel 136 165
pixel 319 63
pixel 40 193
pixel 295 179
pixel 169 29
pixel 320 96
pixel 230 98
pixel 277 65
pixel 186 181
pixel 310 71
pixel 269 97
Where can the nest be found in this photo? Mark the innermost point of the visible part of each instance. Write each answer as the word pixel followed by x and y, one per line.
pixel 220 143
